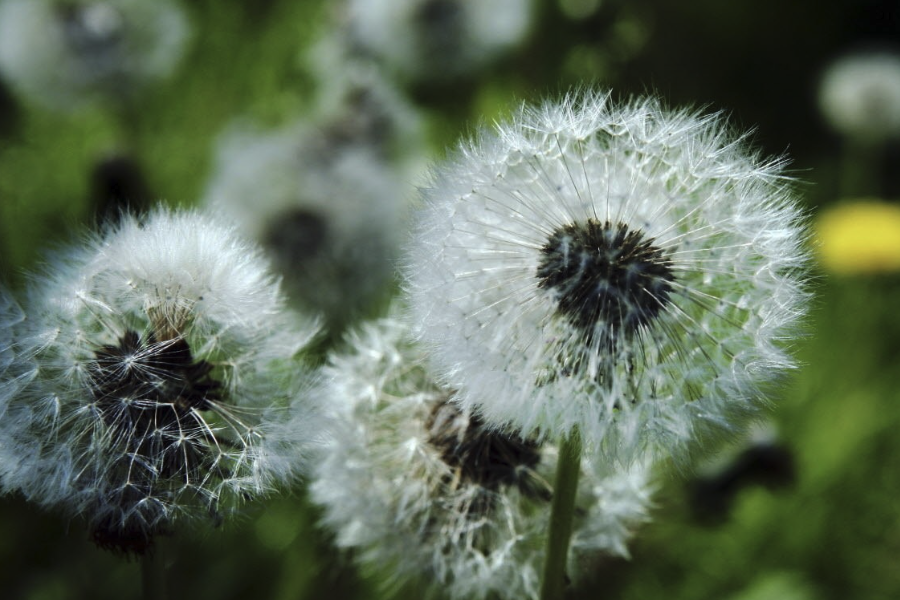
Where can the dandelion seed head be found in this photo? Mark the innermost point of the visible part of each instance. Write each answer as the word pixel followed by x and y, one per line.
pixel 625 269
pixel 163 360
pixel 421 487
pixel 859 95
pixel 64 53
pixel 357 105
pixel 326 210
pixel 430 40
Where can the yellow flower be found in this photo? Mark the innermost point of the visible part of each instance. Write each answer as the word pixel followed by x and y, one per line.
pixel 860 237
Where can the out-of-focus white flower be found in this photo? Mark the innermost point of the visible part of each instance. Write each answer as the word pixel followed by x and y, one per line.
pixel 63 53
pixel 431 40
pixel 625 270
pixel 860 95
pixel 326 208
pixel 356 105
pixel 420 487
pixel 156 378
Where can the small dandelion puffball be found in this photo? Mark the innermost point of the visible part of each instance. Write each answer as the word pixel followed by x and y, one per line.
pixel 358 105
pixel 327 212
pixel 421 488
pixel 860 96
pixel 161 381
pixel 624 270
pixel 64 53
pixel 428 40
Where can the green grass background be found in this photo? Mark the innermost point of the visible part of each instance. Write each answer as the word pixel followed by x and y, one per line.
pixel 834 534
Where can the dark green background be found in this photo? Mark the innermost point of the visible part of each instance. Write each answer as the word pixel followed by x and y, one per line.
pixel 834 534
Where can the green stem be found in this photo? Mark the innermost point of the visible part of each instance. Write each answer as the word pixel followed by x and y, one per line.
pixel 562 510
pixel 153 573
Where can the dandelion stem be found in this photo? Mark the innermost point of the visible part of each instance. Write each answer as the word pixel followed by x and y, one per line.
pixel 562 511
pixel 153 573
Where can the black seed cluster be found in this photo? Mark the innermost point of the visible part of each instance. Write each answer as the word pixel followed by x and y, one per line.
pixel 147 394
pixel 478 454
pixel 604 272
pixel 152 371
pixel 296 236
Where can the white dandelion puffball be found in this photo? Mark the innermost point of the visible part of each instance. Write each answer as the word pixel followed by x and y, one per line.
pixel 859 95
pixel 326 209
pixel 357 105
pixel 64 53
pixel 436 39
pixel 624 270
pixel 156 378
pixel 423 489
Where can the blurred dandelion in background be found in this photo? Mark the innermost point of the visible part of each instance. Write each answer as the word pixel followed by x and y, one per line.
pixel 431 41
pixel 760 458
pixel 625 270
pixel 327 214
pixel 424 489
pixel 326 195
pixel 63 54
pixel 859 96
pixel 155 379
pixel 356 105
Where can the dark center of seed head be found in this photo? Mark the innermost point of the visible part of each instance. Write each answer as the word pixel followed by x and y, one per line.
pixel 147 372
pixel 296 236
pixel 605 273
pixel 479 454
pixel 147 393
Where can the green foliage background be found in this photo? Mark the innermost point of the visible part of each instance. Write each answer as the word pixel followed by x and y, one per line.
pixel 834 534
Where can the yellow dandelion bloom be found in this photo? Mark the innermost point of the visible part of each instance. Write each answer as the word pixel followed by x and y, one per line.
pixel 860 237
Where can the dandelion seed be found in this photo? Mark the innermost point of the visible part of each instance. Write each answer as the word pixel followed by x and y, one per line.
pixel 423 488
pixel 625 270
pixel 160 381
pixel 65 53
